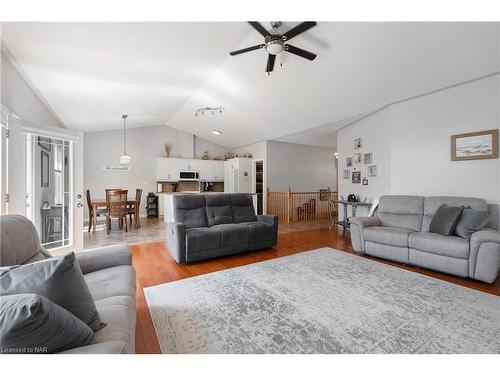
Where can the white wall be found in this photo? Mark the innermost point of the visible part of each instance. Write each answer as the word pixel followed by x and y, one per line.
pixel 411 145
pixel 18 96
pixel 144 145
pixel 300 167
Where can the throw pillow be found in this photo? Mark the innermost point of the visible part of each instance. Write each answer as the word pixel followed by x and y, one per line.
pixel 445 220
pixel 470 222
pixel 30 323
pixel 60 280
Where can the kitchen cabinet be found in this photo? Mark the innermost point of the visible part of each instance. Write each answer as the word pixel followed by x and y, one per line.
pixel 189 164
pixel 211 170
pixel 167 169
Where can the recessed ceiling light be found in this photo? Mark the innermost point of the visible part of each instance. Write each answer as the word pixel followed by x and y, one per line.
pixel 216 132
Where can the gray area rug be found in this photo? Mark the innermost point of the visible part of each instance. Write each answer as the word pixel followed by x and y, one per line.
pixel 322 301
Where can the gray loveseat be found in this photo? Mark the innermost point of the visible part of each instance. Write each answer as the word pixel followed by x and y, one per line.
pixel 400 232
pixel 211 225
pixel 108 272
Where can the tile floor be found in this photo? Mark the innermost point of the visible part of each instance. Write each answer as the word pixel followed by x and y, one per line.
pixel 153 230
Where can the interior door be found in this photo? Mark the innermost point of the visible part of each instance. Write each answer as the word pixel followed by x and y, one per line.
pixel 54 189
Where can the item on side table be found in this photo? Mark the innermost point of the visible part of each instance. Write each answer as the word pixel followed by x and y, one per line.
pixel 399 231
pixel 445 220
pixel 33 324
pixel 352 198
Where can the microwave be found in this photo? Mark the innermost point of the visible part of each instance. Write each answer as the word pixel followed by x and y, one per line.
pixel 189 176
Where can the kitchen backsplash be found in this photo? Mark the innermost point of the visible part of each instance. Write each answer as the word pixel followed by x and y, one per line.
pixel 189 186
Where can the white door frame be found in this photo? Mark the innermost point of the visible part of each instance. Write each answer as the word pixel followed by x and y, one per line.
pixel 17 180
pixel 264 183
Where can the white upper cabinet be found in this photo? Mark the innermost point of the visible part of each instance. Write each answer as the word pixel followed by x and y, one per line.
pixel 167 169
pixel 189 164
pixel 211 170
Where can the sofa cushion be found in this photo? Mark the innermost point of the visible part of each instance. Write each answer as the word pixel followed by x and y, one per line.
pixel 218 209
pixel 30 323
pixel 201 239
pixel 387 235
pixel 434 243
pixel 259 231
pixel 189 209
pixel 113 281
pixel 401 211
pixel 445 220
pixel 242 208
pixel 58 279
pixel 431 205
pixel 120 315
pixel 470 222
pixel 232 234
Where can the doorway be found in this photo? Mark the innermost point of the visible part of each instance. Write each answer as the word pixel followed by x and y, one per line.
pixel 49 189
pixel 259 185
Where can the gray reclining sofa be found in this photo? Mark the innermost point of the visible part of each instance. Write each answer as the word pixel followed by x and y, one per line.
pixel 400 232
pixel 211 225
pixel 108 272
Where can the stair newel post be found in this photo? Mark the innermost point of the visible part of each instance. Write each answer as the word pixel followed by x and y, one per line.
pixel 267 200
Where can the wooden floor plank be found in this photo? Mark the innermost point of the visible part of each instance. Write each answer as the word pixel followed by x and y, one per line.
pixel 155 266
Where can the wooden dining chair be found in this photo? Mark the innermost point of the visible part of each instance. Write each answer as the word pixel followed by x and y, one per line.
pixel 99 211
pixel 132 209
pixel 116 208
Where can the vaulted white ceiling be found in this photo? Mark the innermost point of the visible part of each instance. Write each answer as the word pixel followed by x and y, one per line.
pixel 160 73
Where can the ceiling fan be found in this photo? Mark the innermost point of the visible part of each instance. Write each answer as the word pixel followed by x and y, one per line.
pixel 276 42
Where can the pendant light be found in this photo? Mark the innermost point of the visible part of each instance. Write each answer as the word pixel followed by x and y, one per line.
pixel 125 159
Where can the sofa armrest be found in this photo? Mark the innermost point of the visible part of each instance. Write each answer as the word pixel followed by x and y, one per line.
pixel 358 225
pixel 104 257
pixel 176 240
pixel 270 219
pixel 484 256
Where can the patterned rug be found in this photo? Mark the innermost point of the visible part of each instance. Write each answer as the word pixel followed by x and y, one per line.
pixel 322 301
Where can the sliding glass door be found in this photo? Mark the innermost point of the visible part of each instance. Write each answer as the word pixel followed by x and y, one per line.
pixel 49 189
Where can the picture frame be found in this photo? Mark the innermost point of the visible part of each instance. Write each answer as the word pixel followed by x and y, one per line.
pixel 475 145
pixel 356 177
pixel 357 158
pixel 347 174
pixel 365 181
pixel 372 171
pixel 368 158
pixel 44 175
pixel 45 143
pixel 358 143
pixel 348 162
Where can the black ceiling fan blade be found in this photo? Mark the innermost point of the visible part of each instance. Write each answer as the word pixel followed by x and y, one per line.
pixel 300 52
pixel 299 29
pixel 257 26
pixel 270 63
pixel 248 49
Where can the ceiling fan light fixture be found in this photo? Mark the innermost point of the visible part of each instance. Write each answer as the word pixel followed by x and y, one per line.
pixel 216 132
pixel 274 47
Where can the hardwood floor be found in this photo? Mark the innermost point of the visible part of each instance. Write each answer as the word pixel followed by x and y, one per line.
pixel 155 266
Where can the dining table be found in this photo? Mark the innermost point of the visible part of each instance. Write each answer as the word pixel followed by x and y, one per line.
pixel 131 202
